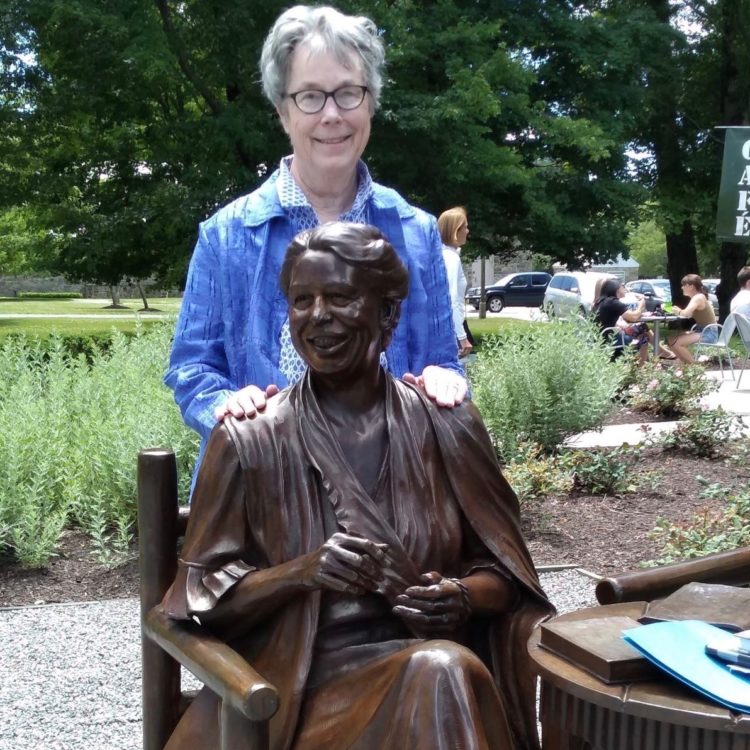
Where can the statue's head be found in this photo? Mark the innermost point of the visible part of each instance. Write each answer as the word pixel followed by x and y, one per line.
pixel 344 284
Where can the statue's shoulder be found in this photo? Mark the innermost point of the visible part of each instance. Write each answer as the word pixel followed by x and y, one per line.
pixel 256 434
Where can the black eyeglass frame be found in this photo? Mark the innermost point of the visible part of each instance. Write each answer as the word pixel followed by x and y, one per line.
pixel 330 95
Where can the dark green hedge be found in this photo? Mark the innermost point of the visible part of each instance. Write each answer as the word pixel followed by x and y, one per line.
pixel 49 295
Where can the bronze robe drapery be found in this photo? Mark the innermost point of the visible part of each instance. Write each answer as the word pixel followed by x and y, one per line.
pixel 259 502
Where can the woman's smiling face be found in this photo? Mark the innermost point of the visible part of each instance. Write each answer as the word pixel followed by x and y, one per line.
pixel 330 141
pixel 334 319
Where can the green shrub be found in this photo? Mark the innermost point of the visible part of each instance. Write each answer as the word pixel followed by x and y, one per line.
pixel 70 432
pixel 49 295
pixel 739 454
pixel 708 531
pixel 703 434
pixel 535 476
pixel 73 344
pixel 603 471
pixel 542 384
pixel 668 391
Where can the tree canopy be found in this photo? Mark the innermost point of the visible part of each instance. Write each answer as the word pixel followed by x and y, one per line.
pixel 124 123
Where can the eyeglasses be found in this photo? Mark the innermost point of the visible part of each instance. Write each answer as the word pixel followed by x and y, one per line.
pixel 312 101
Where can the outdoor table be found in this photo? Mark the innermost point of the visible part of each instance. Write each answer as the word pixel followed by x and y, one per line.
pixel 580 712
pixel 657 320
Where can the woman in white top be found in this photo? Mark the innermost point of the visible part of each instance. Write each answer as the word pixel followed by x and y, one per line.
pixel 454 230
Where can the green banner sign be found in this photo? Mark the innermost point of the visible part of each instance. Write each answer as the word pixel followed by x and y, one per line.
pixel 733 211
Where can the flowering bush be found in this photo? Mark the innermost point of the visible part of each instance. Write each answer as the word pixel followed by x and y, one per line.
pixel 668 391
pixel 704 433
pixel 708 531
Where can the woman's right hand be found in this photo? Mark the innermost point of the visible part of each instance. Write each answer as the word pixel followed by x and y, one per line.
pixel 246 402
pixel 346 563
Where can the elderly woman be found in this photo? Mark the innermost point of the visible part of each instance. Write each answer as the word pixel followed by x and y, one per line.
pixel 321 70
pixel 330 546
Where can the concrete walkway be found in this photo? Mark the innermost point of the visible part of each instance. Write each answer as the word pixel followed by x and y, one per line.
pixel 728 397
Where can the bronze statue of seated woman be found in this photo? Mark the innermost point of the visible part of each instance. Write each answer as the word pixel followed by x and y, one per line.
pixel 357 543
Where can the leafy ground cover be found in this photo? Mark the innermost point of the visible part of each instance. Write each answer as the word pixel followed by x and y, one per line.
pixel 597 511
pixel 603 532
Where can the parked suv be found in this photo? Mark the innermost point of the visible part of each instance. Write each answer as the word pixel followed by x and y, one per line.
pixel 571 292
pixel 513 290
pixel 656 291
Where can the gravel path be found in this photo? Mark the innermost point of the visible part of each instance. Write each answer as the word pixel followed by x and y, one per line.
pixel 63 689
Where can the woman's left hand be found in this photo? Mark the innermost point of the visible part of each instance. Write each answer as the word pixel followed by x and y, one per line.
pixel 440 606
pixel 443 386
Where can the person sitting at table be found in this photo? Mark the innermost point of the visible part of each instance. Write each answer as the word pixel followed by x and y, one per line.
pixel 741 301
pixel 701 311
pixel 357 543
pixel 609 308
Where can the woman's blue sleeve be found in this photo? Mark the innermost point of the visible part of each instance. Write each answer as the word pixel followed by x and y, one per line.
pixel 198 369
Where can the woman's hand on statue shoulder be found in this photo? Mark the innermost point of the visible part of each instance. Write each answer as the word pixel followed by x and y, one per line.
pixel 346 563
pixel 445 387
pixel 440 605
pixel 246 402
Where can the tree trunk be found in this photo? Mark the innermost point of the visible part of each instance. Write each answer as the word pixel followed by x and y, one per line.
pixel 143 295
pixel 482 284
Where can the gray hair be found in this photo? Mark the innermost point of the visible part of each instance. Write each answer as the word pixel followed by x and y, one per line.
pixel 326 30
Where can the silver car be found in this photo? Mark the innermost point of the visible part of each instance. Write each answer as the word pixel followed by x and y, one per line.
pixel 572 293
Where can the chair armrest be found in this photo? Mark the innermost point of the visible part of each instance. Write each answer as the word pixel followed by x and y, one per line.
pixel 730 568
pixel 215 664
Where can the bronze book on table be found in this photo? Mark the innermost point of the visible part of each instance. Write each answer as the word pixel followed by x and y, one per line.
pixel 726 607
pixel 596 645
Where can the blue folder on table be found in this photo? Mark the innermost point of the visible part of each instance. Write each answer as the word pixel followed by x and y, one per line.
pixel 679 648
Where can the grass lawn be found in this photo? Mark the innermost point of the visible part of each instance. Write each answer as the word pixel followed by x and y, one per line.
pixel 42 327
pixel 489 326
pixel 21 306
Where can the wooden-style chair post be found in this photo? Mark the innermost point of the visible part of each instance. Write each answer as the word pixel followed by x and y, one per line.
pixel 247 700
pixel 157 533
pixel 729 568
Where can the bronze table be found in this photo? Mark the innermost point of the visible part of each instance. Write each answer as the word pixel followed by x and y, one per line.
pixel 580 712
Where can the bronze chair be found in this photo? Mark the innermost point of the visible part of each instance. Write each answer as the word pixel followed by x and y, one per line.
pixel 730 568
pixel 166 644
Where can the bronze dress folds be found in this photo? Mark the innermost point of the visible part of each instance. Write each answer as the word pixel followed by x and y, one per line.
pixel 349 672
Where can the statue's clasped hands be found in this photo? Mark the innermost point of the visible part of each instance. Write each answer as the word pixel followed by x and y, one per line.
pixel 347 563
pixel 442 605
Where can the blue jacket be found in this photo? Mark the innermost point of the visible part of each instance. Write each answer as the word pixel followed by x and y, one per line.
pixel 227 334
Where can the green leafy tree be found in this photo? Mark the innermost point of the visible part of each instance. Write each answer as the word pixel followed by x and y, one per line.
pixel 143 116
pixel 647 244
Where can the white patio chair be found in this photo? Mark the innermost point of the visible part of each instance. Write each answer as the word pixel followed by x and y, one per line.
pixel 614 337
pixel 721 345
pixel 743 329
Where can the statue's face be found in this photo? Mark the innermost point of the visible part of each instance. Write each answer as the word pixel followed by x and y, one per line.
pixel 334 318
